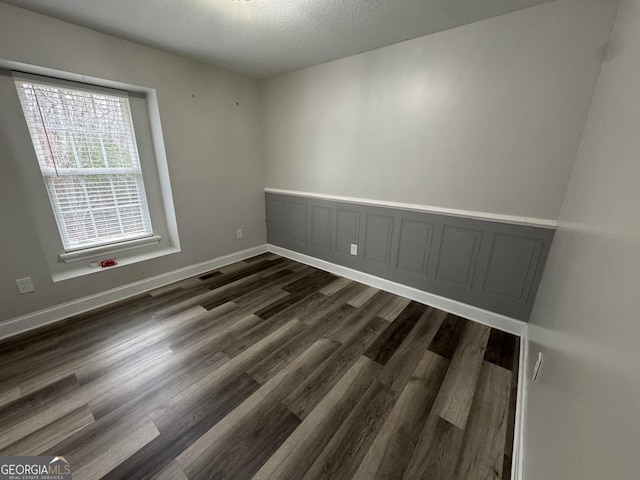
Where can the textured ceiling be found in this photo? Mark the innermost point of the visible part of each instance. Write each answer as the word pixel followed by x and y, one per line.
pixel 263 38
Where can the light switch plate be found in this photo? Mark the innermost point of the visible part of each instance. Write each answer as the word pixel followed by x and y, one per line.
pixel 536 368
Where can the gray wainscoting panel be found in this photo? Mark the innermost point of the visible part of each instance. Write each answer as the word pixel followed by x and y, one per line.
pixel 512 267
pixel 347 233
pixel 298 228
pixel 492 265
pixel 321 222
pixel 377 239
pixel 278 218
pixel 458 257
pixel 414 246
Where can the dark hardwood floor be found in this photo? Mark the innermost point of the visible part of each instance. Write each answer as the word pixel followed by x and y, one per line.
pixel 264 369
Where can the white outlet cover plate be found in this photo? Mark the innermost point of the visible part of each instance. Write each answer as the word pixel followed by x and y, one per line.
pixel 25 285
pixel 536 368
pixel 354 249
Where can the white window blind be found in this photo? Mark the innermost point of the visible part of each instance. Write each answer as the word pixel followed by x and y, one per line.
pixel 86 148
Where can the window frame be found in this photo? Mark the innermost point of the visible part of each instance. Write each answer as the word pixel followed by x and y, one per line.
pixel 108 172
pixel 144 108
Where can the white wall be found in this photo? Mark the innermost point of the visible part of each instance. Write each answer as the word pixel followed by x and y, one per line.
pixel 485 117
pixel 212 142
pixel 583 414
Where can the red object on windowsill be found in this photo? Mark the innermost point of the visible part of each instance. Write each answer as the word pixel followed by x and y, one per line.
pixel 109 262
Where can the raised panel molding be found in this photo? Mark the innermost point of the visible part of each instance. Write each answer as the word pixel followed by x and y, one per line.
pixel 512 265
pixel 377 239
pixel 298 218
pixel 458 255
pixel 490 265
pixel 321 220
pixel 276 218
pixel 414 246
pixel 347 230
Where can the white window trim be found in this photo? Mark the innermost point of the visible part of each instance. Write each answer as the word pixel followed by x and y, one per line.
pixel 109 249
pixel 29 85
pixel 64 265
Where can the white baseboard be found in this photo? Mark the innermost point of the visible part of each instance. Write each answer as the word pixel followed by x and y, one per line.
pixel 59 312
pixel 495 320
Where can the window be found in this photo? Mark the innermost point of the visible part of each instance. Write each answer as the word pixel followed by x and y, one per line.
pixel 91 158
pixel 86 148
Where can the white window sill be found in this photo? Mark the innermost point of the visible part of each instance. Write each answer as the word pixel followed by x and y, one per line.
pixel 79 269
pixel 103 250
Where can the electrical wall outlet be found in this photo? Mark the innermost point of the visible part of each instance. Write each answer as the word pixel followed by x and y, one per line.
pixel 239 234
pixel 25 285
pixel 354 249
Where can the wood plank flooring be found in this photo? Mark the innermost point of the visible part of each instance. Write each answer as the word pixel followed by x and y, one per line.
pixel 265 369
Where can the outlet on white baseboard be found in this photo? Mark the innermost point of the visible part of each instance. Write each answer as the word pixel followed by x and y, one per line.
pixel 536 368
pixel 354 249
pixel 239 234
